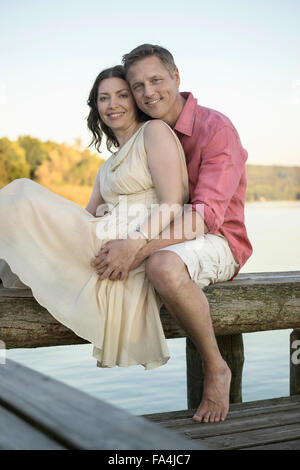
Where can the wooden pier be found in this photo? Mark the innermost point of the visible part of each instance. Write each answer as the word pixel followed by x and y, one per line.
pixel 252 302
pixel 40 413
pixel 259 425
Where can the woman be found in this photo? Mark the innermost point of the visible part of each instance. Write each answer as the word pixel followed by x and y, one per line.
pixel 48 242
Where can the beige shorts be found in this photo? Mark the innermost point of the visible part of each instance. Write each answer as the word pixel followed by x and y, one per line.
pixel 208 259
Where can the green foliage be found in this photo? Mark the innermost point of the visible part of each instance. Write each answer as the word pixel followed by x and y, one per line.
pixel 58 165
pixel 35 152
pixel 273 183
pixel 68 165
pixel 12 162
pixel 48 163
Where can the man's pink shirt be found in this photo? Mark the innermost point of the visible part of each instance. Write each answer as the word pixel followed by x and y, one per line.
pixel 216 163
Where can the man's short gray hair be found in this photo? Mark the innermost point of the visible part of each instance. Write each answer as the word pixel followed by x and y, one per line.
pixel 148 50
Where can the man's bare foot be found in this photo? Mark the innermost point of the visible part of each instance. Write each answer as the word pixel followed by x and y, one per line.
pixel 215 402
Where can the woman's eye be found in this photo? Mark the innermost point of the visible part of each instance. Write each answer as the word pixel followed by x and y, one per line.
pixel 124 96
pixel 102 98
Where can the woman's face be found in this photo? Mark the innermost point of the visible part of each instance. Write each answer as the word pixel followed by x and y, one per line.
pixel 115 103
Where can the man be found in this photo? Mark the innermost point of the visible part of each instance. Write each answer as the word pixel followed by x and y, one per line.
pixel 217 183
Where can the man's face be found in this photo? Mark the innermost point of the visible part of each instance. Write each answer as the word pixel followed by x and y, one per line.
pixel 155 91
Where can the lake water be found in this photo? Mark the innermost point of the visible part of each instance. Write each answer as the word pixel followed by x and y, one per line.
pixel 274 230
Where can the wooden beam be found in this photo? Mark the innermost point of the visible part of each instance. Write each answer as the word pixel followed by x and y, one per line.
pixel 251 302
pixel 74 419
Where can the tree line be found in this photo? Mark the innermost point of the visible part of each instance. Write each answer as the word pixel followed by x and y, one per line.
pixel 48 163
pixel 272 182
pixel 61 166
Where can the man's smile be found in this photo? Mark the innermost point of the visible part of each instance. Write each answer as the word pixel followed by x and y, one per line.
pixel 153 101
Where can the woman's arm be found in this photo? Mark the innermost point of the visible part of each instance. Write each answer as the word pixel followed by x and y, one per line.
pixel 165 168
pixel 96 198
pixel 116 257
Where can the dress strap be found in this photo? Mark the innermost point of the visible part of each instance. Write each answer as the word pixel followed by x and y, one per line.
pixel 124 151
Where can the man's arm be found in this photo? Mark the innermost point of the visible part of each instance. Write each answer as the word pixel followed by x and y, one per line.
pixel 163 155
pixel 222 164
pixel 185 227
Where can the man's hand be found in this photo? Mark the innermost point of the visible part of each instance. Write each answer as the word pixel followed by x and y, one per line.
pixel 117 257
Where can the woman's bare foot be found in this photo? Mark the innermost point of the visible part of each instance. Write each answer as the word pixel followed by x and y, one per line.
pixel 215 402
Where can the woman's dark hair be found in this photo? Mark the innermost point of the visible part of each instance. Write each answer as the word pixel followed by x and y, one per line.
pixel 94 121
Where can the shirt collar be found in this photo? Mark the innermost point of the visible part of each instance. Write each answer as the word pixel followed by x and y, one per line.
pixel 185 122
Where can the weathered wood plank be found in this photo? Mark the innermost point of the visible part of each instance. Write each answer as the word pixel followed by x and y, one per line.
pixel 235 409
pixel 184 423
pixel 290 445
pixel 251 302
pixel 257 437
pixel 25 323
pixel 248 425
pixel 235 433
pixel 266 277
pixel 17 434
pixel 241 424
pixel 255 302
pixel 77 420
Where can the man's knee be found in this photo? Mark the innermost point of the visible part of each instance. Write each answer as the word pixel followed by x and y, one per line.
pixel 166 270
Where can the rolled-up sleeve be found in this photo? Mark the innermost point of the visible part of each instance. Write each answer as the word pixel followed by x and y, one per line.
pixel 221 168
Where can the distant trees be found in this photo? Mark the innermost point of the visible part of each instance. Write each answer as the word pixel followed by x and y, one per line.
pixel 70 170
pixel 48 163
pixel 35 150
pixel 273 182
pixel 13 163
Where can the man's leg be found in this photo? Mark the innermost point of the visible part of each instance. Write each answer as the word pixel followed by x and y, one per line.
pixel 188 305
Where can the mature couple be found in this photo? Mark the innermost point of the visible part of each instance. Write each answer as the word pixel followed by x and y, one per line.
pixel 108 290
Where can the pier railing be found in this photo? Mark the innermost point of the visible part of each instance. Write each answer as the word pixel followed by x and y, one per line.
pixel 250 303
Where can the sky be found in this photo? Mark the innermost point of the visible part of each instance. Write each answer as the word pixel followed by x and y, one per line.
pixel 240 57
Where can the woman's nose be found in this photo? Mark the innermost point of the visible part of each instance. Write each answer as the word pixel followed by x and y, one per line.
pixel 113 102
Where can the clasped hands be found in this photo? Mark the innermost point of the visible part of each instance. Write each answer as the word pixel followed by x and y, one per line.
pixel 117 257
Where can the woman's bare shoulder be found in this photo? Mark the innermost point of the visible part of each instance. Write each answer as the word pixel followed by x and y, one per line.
pixel 157 129
pixel 156 124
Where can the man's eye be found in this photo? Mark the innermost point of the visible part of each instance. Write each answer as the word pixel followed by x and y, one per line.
pixel 155 80
pixel 136 87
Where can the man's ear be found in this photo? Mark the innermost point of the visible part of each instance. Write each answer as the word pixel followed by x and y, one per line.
pixel 176 77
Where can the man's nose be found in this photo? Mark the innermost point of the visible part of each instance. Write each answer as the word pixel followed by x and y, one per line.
pixel 149 90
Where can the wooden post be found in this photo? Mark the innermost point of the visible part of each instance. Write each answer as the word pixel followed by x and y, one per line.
pixel 232 351
pixel 295 362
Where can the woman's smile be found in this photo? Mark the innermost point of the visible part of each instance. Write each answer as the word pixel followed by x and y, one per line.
pixel 114 115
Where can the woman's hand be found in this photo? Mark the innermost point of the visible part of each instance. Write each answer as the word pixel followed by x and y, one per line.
pixel 116 258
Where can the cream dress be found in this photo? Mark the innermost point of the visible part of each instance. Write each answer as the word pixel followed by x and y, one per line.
pixel 47 243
